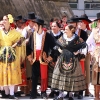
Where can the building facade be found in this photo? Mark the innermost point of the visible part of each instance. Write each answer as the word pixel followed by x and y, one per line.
pixel 89 7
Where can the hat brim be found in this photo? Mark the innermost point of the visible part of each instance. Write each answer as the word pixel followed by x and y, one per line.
pixel 96 19
pixel 73 21
pixel 39 23
pixel 88 20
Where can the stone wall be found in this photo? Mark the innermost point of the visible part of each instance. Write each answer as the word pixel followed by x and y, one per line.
pixel 44 8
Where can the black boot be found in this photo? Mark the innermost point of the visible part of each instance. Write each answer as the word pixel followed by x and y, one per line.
pixel 80 96
pixel 4 95
pixel 12 97
pixel 43 95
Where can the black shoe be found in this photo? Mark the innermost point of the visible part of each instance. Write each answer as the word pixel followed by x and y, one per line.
pixel 17 94
pixel 12 97
pixel 80 96
pixel 76 94
pixel 38 94
pixel 56 98
pixel 5 96
pixel 70 98
pixel 33 97
pixel 44 95
pixel 52 94
pixel 27 94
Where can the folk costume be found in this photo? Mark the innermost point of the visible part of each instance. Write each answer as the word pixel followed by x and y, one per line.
pixel 67 73
pixel 52 64
pixel 86 21
pixel 94 47
pixel 38 48
pixel 27 31
pixel 55 56
pixel 10 73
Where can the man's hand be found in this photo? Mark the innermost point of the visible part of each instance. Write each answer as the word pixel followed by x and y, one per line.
pixel 30 59
pixel 49 59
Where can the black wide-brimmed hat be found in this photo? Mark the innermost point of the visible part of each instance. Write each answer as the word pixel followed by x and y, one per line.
pixel 98 17
pixel 74 19
pixel 85 17
pixel 24 20
pixel 19 17
pixel 40 21
pixel 31 16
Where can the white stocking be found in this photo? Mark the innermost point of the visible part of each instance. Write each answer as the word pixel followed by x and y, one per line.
pixel 11 88
pixel 1 88
pixel 6 88
pixel 61 94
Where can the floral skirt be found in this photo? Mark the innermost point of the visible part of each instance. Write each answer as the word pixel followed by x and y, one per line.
pixel 74 81
pixel 10 74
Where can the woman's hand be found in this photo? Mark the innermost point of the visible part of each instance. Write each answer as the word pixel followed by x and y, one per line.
pixel 76 53
pixel 14 45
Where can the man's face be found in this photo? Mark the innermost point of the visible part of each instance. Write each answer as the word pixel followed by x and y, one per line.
pixel 19 23
pixel 31 23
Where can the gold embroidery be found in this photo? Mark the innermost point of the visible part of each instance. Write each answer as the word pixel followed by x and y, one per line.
pixel 40 58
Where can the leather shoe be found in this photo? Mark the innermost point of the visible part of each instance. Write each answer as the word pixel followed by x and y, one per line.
pixel 71 98
pixel 80 96
pixel 33 97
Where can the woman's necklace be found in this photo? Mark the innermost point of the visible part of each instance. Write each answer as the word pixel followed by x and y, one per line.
pixel 6 32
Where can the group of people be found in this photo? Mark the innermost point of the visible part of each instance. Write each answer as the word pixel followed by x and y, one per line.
pixel 58 57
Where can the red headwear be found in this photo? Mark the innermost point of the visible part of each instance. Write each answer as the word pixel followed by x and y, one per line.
pixel 87 24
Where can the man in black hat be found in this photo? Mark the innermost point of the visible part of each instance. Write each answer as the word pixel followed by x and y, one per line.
pixel 29 29
pixel 83 36
pixel 37 52
pixel 18 22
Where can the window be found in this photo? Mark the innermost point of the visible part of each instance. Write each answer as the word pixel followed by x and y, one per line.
pixel 72 1
pixel 95 5
pixel 73 6
pixel 92 4
pixel 87 6
pixel 91 1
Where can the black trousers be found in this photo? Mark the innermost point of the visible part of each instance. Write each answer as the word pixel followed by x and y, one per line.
pixel 35 77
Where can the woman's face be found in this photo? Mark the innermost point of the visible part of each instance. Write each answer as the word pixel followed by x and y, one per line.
pixel 68 31
pixel 6 21
pixel 54 27
pixel 82 25
pixel 98 24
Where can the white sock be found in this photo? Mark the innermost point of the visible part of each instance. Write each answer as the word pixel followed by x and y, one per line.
pixel 70 94
pixel 15 88
pixel 61 94
pixel 1 88
pixel 11 88
pixel 6 88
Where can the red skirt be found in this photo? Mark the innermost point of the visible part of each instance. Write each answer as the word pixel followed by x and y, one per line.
pixel 23 74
